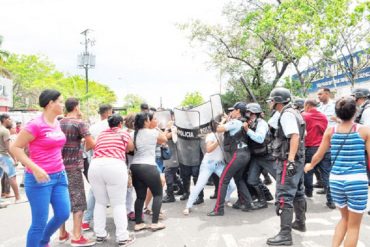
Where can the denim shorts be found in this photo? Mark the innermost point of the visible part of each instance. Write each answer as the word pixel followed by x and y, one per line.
pixel 7 165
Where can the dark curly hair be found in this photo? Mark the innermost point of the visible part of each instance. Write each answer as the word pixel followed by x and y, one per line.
pixel 345 108
pixel 114 120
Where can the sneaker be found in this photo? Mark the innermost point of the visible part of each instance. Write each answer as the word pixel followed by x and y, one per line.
pixel 85 226
pixel 64 238
pixel 139 227
pixel 127 242
pixel 100 240
pixel 82 242
pixel 131 216
pixel 4 204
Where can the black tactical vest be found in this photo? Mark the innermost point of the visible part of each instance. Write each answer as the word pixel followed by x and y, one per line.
pixel 361 111
pixel 281 144
pixel 260 149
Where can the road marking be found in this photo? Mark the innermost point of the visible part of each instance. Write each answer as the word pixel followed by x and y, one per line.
pixel 229 240
pixel 319 221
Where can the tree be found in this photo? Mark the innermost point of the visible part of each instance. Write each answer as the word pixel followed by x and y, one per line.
pixel 33 73
pixel 192 99
pixel 3 56
pixel 132 103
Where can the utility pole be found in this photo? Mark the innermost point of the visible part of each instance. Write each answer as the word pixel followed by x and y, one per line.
pixel 86 60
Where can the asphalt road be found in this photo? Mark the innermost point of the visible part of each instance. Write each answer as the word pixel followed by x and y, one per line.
pixel 234 229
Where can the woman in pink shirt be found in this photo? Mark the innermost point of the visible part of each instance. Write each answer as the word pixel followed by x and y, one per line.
pixel 45 179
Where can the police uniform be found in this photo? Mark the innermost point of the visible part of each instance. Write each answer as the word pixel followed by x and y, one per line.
pixel 237 163
pixel 289 174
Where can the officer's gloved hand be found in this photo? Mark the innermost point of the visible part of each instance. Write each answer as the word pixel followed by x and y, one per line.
pixel 278 209
pixel 291 169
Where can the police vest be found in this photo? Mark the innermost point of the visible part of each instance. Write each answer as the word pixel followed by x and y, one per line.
pixel 361 111
pixel 260 149
pixel 231 143
pixel 281 143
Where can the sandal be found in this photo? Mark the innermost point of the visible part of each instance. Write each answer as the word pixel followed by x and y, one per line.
pixel 139 227
pixel 157 226
pixel 127 242
pixel 186 211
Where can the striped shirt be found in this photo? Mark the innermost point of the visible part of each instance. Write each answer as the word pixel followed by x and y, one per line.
pixel 351 158
pixel 112 143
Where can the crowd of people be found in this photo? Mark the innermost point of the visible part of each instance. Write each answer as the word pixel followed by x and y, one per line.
pixel 129 162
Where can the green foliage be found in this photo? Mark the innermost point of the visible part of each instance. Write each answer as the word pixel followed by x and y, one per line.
pixel 33 73
pixel 132 103
pixel 192 99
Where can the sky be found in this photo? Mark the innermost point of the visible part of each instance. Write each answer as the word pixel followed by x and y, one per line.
pixel 138 47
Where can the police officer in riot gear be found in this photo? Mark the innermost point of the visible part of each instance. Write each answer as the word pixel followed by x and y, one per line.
pixel 362 97
pixel 237 157
pixel 259 140
pixel 288 149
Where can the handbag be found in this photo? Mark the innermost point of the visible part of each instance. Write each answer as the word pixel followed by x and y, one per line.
pixel 166 153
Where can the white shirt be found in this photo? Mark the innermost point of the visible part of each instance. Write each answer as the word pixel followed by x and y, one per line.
pixel 365 118
pixel 289 124
pixel 98 127
pixel 216 154
pixel 329 111
pixel 273 121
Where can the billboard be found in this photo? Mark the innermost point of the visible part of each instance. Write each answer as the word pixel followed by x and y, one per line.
pixel 6 92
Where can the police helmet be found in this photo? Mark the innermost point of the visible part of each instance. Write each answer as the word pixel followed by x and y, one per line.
pixel 298 103
pixel 241 106
pixel 254 108
pixel 360 93
pixel 280 95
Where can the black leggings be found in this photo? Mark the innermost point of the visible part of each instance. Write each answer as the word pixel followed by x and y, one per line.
pixel 143 177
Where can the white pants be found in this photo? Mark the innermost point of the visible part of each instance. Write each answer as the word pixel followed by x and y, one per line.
pixel 108 180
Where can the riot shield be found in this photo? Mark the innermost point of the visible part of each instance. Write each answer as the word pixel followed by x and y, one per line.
pixel 188 141
pixel 163 117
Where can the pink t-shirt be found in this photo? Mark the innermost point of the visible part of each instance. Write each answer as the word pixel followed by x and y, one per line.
pixel 46 149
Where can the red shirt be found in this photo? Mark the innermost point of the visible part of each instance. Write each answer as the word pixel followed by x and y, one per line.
pixel 316 124
pixel 112 143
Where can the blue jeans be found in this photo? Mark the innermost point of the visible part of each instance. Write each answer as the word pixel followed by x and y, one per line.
pixel 206 169
pixel 89 213
pixel 40 195
pixel 324 167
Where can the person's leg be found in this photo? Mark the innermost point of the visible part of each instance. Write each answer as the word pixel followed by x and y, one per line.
pixel 141 188
pixel 148 199
pixel 169 173
pixel 39 198
pixel 185 173
pixel 153 180
pixel 5 186
pixel 206 169
pixel 89 213
pixel 116 179
pixel 216 181
pixel 96 171
pixel 353 229
pixel 230 169
pixel 308 177
pixel 78 200
pixel 61 205
pixel 341 228
pixel 217 173
pixel 195 174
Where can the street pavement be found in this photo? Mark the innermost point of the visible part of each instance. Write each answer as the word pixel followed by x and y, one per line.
pixel 234 229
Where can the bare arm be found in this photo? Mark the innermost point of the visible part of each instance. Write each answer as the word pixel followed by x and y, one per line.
pixel 319 155
pixel 161 139
pixel 89 142
pixel 211 146
pixel 130 146
pixel 294 143
pixel 17 148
